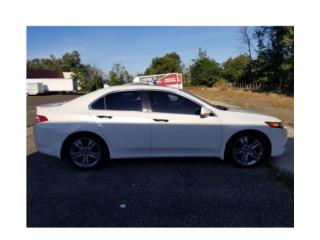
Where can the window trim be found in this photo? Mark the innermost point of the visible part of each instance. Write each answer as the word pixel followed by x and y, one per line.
pixel 146 103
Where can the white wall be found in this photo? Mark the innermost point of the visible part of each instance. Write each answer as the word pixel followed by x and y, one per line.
pixel 55 84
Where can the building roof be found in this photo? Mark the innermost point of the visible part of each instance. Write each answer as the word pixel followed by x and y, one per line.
pixel 39 73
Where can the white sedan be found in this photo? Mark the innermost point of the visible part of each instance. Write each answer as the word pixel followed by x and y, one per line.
pixel 142 121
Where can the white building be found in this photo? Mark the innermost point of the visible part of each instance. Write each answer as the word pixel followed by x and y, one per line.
pixel 52 81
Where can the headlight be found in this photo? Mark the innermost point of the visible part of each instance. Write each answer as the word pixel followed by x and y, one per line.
pixel 275 124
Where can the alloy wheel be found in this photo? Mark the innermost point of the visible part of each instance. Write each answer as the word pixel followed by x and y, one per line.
pixel 85 152
pixel 247 150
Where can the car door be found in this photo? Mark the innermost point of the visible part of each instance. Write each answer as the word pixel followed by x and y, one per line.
pixel 178 129
pixel 124 122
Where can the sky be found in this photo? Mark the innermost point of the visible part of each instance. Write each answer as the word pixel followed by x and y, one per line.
pixel 134 47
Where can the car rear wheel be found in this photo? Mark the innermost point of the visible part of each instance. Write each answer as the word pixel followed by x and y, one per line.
pixel 86 151
pixel 247 150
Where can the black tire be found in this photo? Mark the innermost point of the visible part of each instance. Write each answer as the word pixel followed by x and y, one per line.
pixel 239 152
pixel 82 155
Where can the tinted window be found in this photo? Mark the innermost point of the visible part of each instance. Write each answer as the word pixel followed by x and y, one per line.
pixel 124 101
pixel 99 104
pixel 172 103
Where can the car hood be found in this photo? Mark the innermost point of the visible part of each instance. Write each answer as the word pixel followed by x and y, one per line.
pixel 245 116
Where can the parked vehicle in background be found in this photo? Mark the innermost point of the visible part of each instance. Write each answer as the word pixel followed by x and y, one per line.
pixel 134 121
pixel 35 88
pixel 168 79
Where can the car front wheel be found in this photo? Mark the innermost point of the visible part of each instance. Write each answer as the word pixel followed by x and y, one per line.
pixel 247 150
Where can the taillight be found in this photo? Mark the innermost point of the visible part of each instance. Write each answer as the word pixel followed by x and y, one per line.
pixel 41 118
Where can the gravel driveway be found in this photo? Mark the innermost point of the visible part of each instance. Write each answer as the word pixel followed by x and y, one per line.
pixel 185 192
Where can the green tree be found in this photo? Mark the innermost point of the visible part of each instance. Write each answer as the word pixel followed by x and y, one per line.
pixel 118 75
pixel 275 57
pixel 71 61
pixel 282 56
pixel 236 69
pixel 97 81
pixel 82 76
pixel 51 63
pixel 169 63
pixel 67 63
pixel 113 80
pixel 204 70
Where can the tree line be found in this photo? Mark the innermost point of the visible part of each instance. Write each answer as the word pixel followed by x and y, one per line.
pixel 267 59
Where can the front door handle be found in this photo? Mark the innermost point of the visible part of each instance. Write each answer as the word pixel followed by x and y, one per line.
pixel 160 120
pixel 104 116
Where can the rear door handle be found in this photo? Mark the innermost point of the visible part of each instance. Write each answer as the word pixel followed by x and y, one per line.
pixel 104 116
pixel 160 120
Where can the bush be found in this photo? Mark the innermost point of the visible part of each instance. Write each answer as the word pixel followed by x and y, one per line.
pixel 222 84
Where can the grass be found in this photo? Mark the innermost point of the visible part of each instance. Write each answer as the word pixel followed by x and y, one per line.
pixel 274 104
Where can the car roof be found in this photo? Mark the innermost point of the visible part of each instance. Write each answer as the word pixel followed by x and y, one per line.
pixel 134 87
pixel 141 86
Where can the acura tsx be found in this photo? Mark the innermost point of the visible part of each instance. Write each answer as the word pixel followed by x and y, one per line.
pixel 139 121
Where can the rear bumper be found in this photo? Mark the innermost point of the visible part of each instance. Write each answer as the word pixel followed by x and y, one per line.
pixel 46 139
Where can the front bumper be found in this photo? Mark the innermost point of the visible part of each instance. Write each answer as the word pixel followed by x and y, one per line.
pixel 279 137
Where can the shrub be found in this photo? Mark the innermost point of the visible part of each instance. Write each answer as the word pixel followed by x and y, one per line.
pixel 222 84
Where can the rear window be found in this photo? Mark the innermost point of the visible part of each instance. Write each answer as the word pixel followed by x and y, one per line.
pixel 124 101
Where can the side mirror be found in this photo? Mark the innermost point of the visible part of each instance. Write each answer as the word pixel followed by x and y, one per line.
pixel 205 112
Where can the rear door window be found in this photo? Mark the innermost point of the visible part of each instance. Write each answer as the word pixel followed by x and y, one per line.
pixel 124 101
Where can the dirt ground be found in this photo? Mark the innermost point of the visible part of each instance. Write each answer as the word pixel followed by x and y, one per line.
pixel 273 104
